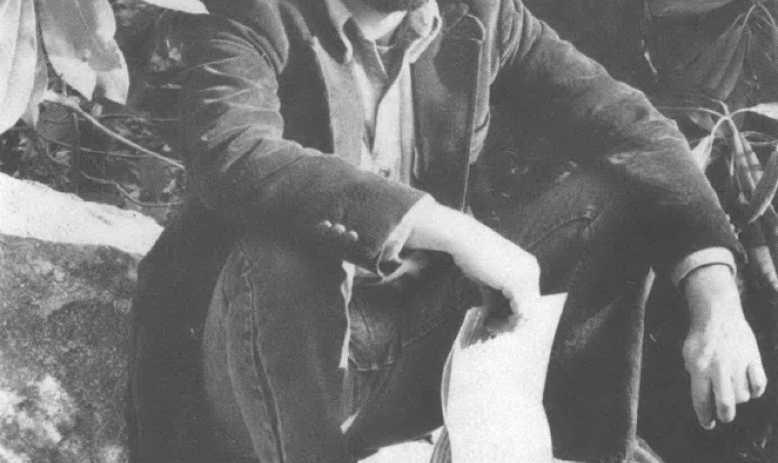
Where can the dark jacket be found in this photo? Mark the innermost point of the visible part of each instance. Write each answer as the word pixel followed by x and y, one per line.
pixel 271 126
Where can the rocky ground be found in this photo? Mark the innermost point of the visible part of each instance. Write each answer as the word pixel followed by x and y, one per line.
pixel 67 272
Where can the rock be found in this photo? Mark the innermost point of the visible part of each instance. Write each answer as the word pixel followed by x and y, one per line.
pixel 67 274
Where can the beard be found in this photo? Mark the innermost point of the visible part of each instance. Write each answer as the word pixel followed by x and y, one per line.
pixel 391 6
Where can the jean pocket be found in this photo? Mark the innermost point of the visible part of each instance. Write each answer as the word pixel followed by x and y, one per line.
pixel 374 333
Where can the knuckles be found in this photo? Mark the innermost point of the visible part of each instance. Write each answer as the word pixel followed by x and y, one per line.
pixel 726 411
pixel 696 365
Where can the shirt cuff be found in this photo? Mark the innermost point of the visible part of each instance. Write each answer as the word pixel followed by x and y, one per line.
pixel 701 258
pixel 391 263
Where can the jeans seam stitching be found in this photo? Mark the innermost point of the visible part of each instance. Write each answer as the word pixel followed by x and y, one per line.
pixel 587 215
pixel 262 379
pixel 247 264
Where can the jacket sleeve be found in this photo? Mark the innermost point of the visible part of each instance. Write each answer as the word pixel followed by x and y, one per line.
pixel 606 121
pixel 239 164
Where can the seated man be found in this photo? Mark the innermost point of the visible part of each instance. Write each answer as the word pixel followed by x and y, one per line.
pixel 302 306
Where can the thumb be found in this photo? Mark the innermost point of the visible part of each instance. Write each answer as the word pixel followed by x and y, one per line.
pixel 500 314
pixel 702 400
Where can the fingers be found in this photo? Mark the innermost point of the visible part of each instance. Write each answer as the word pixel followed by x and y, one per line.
pixel 524 291
pixel 757 380
pixel 741 387
pixel 718 397
pixel 724 392
pixel 502 266
pixel 518 306
pixel 702 399
pixel 716 391
pixel 523 301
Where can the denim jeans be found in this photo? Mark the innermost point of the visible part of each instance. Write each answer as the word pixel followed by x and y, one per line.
pixel 276 324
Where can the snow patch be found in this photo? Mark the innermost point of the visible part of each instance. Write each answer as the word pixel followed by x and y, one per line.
pixel 54 401
pixel 112 454
pixel 8 456
pixel 32 210
pixel 8 402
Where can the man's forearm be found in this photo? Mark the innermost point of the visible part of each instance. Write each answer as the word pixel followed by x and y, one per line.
pixel 483 255
pixel 711 293
pixel 444 229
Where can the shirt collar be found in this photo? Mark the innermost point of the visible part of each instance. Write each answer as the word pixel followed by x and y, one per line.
pixel 424 22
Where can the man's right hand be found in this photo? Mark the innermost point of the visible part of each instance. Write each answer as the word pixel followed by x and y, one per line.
pixel 720 352
pixel 482 254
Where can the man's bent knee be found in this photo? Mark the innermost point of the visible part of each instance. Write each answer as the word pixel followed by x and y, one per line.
pixel 269 259
pixel 272 343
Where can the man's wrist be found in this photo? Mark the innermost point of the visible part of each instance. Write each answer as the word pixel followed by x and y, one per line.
pixel 699 259
pixel 711 294
pixel 441 229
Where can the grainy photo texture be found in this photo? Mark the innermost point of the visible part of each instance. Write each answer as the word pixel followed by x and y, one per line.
pixel 445 231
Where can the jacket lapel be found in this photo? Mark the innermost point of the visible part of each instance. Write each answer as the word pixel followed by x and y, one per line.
pixel 345 108
pixel 344 105
pixel 445 80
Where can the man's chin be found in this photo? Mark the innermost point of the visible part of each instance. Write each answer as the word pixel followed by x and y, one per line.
pixel 391 6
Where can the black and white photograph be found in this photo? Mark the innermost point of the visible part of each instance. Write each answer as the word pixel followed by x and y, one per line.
pixel 388 231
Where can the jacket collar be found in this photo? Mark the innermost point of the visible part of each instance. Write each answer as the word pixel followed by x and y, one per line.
pixel 445 88
pixel 423 24
pixel 445 80
pixel 327 28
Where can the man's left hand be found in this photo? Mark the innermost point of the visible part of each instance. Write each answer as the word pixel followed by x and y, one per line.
pixel 720 351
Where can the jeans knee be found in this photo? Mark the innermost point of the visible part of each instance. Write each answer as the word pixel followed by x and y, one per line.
pixel 614 207
pixel 268 260
pixel 584 208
